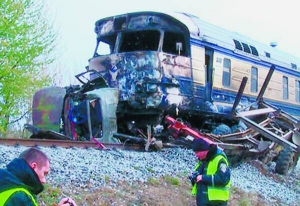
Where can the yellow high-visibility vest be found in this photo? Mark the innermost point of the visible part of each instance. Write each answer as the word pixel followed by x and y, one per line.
pixel 6 194
pixel 214 192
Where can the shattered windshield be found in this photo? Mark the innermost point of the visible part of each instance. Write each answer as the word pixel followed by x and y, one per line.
pixel 106 45
pixel 146 40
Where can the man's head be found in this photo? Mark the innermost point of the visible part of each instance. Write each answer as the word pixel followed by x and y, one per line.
pixel 38 161
pixel 201 148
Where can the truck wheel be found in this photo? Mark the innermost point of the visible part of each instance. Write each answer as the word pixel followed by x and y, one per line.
pixel 286 161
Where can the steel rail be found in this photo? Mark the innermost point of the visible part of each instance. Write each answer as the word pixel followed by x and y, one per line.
pixel 66 144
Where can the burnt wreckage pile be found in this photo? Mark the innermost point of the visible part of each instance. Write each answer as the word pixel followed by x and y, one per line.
pixel 91 112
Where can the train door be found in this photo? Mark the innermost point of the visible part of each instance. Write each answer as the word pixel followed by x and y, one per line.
pixel 209 53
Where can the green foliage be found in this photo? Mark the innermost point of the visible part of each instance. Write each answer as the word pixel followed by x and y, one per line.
pixel 27 41
pixel 298 183
pixel 106 178
pixel 153 181
pixel 172 180
pixel 50 195
pixel 149 169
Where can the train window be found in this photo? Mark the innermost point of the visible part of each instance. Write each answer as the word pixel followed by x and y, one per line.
pixel 285 87
pixel 254 50
pixel 246 48
pixel 146 40
pixel 297 92
pixel 226 72
pixel 174 43
pixel 238 45
pixel 254 79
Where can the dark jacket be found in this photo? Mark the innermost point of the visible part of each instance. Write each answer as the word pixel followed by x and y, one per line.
pixel 19 174
pixel 220 178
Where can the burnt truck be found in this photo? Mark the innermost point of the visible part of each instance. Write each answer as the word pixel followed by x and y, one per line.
pixel 164 79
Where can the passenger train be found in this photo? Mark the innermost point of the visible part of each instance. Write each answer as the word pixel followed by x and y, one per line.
pixel 176 63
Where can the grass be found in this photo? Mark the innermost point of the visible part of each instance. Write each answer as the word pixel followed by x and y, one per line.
pixel 298 183
pixel 50 195
pixel 153 181
pixel 172 180
pixel 244 202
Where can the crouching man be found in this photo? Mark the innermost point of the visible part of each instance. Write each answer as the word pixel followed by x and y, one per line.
pixel 23 179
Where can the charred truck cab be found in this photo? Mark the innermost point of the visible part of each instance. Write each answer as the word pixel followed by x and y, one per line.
pixel 148 60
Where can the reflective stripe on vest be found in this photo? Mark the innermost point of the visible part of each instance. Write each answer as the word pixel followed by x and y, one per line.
pixel 194 189
pixel 6 194
pixel 214 193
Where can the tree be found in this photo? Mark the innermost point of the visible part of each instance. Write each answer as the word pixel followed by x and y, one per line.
pixel 27 42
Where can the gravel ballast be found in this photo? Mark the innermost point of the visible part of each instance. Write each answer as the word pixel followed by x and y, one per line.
pixel 79 167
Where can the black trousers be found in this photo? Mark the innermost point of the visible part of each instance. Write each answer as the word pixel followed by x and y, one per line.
pixel 213 204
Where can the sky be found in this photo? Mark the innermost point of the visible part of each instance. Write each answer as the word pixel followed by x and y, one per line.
pixel 262 20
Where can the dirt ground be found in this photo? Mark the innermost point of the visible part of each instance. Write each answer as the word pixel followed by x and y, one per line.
pixel 167 191
pixel 157 193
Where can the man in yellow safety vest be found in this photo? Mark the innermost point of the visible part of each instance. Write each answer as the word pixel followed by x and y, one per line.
pixel 211 178
pixel 23 179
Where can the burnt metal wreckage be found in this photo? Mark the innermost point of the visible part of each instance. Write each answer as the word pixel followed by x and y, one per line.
pixel 90 113
pixel 164 79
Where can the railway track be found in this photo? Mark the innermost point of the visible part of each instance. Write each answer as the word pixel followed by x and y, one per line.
pixel 67 143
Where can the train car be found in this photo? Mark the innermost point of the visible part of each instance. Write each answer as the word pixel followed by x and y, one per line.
pixel 175 63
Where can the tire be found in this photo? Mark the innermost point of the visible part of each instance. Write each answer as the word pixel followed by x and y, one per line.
pixel 222 129
pixel 286 161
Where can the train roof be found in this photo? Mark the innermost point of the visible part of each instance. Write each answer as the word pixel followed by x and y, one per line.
pixel 217 36
pixel 236 42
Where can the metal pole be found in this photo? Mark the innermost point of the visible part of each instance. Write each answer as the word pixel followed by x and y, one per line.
pixel 239 95
pixel 266 82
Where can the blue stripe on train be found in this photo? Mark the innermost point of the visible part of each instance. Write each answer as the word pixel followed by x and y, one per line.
pixel 229 97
